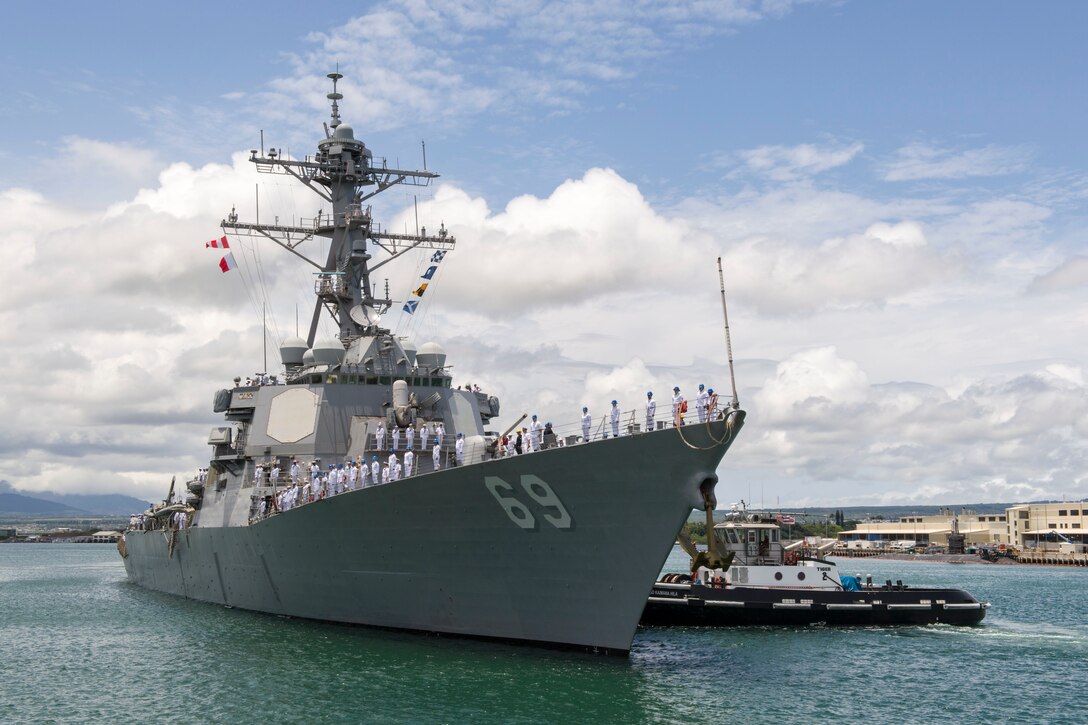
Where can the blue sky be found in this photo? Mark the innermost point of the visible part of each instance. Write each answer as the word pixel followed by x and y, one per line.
pixel 899 190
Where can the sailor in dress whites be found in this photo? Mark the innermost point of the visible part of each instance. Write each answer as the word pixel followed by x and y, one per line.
pixel 510 442
pixel 614 417
pixel 701 402
pixel 459 449
pixel 587 423
pixel 398 472
pixel 677 407
pixel 395 437
pixel 353 476
pixel 440 431
pixel 536 434
pixel 379 436
pixel 436 453
pixel 409 459
pixel 294 472
pixel 274 477
pixel 315 473
pixel 651 410
pixel 410 436
pixel 376 471
pixel 258 474
pixel 364 474
pixel 392 462
pixel 385 473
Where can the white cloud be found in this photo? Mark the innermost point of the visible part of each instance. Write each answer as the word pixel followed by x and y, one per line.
pixel 1070 274
pixel 785 163
pixel 923 161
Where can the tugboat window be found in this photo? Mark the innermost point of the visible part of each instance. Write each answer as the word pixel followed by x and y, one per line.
pixel 800 576
pixel 778 575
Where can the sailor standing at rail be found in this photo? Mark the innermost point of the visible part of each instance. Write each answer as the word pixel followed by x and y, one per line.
pixel 436 453
pixel 398 472
pixel 614 416
pixel 258 474
pixel 275 475
pixel 375 471
pixel 440 432
pixel 701 402
pixel 536 434
pixel 294 472
pixel 410 437
pixel 353 476
pixel 315 473
pixel 677 407
pixel 395 437
pixel 379 436
pixel 459 449
pixel 651 410
pixel 385 473
pixel 587 422
pixel 409 461
pixel 392 462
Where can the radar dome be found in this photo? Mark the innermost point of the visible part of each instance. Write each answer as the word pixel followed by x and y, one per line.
pixel 328 352
pixel 431 356
pixel 344 131
pixel 308 358
pixel 293 350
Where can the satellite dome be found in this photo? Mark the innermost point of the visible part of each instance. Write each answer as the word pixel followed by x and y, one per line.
pixel 328 352
pixel 308 358
pixel 293 350
pixel 431 356
pixel 344 131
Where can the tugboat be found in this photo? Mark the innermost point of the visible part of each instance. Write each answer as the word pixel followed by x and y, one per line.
pixel 360 486
pixel 749 577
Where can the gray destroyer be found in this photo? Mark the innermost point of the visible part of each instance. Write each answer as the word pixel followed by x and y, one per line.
pixel 560 546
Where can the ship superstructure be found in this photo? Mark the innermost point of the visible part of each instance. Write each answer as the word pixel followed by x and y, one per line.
pixel 476 541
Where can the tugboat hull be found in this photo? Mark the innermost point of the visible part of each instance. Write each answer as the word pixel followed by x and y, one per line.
pixel 699 606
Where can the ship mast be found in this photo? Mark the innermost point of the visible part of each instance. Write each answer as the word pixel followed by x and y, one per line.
pixel 343 173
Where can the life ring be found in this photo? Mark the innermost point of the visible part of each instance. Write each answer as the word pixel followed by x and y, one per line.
pixel 791 558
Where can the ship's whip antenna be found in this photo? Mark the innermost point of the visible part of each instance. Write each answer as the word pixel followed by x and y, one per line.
pixel 728 341
pixel 334 97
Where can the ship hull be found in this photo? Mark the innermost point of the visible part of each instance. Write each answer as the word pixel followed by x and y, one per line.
pixel 699 606
pixel 452 552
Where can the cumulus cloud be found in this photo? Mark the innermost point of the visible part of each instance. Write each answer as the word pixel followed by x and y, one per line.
pixel 923 161
pixel 1070 274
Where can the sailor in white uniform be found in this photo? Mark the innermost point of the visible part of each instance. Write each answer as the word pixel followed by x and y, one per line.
pixel 395 437
pixel 409 459
pixel 376 471
pixel 294 472
pixel 510 450
pixel 315 472
pixel 459 449
pixel 677 407
pixel 536 434
pixel 379 436
pixel 701 402
pixel 392 463
pixel 614 417
pixel 364 474
pixel 353 476
pixel 587 423
pixel 410 437
pixel 651 410
pixel 385 473
pixel 440 432
pixel 398 472
pixel 258 474
pixel 436 453
pixel 274 478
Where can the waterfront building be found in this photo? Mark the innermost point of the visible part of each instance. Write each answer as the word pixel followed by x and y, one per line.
pixel 977 529
pixel 1034 525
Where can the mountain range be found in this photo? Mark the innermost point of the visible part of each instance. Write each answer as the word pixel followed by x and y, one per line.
pixel 47 503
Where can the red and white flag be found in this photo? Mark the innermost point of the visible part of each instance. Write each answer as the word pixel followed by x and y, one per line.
pixel 220 243
pixel 785 519
pixel 227 263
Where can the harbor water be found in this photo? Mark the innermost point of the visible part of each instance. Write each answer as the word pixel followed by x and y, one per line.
pixel 79 644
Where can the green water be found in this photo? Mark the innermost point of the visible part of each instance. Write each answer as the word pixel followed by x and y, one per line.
pixel 79 644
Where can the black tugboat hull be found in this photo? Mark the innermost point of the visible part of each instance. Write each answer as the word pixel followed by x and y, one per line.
pixel 698 606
